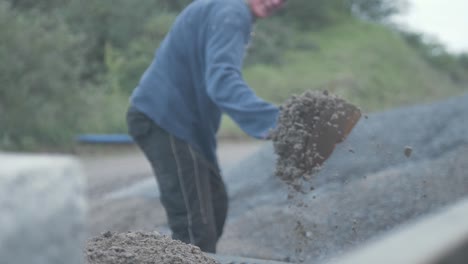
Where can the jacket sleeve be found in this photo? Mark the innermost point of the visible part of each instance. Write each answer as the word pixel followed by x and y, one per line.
pixel 227 38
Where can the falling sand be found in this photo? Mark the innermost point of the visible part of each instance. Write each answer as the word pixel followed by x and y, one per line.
pixel 308 129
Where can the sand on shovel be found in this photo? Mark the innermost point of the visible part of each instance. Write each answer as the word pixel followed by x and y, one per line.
pixel 309 127
pixel 144 248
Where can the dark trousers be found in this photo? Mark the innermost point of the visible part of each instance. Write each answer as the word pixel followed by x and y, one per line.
pixel 192 190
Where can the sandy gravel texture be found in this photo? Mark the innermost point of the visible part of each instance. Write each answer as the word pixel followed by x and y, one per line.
pixel 142 248
pixel 309 127
pixel 335 218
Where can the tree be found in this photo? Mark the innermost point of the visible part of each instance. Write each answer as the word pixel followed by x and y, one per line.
pixel 34 4
pixel 313 14
pixel 42 97
pixel 376 10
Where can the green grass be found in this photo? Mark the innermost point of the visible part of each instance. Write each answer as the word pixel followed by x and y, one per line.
pixel 367 64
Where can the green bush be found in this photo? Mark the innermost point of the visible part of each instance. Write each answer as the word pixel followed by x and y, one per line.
pixel 270 38
pixel 127 65
pixel 437 56
pixel 376 10
pixel 42 97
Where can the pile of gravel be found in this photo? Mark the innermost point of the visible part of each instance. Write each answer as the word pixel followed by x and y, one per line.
pixel 142 248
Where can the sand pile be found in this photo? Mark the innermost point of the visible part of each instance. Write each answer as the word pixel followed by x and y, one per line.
pixel 142 248
pixel 309 127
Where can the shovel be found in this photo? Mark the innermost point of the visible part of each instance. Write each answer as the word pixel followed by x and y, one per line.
pixel 331 129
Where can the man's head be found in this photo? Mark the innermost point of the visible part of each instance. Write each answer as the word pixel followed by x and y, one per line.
pixel 264 8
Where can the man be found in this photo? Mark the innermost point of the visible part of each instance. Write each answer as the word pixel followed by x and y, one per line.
pixel 176 110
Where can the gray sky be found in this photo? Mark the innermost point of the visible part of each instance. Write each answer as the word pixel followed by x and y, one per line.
pixel 446 20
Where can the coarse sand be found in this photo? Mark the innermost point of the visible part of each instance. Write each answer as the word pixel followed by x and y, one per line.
pixel 309 127
pixel 142 248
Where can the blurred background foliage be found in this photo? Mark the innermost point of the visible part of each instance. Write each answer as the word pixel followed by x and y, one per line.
pixel 70 66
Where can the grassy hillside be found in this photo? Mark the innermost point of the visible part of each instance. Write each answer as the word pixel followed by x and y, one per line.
pixel 368 64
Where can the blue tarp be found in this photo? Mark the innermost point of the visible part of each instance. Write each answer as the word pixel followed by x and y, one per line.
pixel 105 139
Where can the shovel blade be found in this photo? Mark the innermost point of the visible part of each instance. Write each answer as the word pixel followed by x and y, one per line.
pixel 332 129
